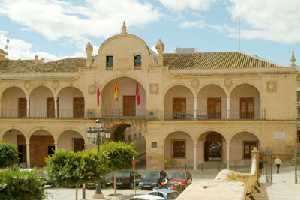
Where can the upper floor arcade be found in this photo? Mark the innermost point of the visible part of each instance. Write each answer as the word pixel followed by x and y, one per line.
pixel 126 79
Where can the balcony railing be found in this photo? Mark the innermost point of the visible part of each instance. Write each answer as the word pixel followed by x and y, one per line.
pixel 146 115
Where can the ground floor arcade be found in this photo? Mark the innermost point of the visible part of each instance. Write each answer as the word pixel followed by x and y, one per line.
pixel 216 144
pixel 36 139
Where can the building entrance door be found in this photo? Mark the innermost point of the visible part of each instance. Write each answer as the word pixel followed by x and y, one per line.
pixel 179 108
pixel 129 106
pixel 213 147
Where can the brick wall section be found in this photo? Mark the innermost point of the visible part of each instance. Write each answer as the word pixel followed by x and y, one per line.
pixel 39 149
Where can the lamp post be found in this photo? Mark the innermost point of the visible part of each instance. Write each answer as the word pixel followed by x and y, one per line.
pixel 97 135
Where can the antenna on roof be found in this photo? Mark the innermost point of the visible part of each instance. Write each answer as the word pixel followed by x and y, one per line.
pixel 239 33
pixel 6 46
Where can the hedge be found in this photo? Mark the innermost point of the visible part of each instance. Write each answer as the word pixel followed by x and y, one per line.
pixel 20 185
pixel 69 169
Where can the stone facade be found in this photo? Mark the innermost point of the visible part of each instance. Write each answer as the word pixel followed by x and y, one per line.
pixel 180 105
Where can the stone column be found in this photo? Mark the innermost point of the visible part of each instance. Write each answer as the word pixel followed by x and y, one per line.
pixel 1 108
pixel 228 108
pixel 195 155
pixel 228 154
pixel 27 106
pixel 27 153
pixel 195 107
pixel 55 106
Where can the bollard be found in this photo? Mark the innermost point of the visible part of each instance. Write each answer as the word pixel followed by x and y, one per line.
pixel 83 192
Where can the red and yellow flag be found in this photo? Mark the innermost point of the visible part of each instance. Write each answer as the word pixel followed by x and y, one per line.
pixel 98 94
pixel 116 91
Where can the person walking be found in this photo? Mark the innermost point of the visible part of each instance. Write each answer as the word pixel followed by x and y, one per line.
pixel 278 162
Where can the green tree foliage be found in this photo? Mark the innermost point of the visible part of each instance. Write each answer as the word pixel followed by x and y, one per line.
pixel 20 185
pixel 8 155
pixel 64 168
pixel 118 154
pixel 68 169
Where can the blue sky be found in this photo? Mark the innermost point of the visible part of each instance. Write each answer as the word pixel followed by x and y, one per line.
pixel 54 29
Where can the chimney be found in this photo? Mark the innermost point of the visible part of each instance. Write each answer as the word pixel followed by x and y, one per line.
pixel 3 55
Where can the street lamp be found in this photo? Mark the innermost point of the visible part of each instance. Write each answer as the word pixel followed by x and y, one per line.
pixel 97 135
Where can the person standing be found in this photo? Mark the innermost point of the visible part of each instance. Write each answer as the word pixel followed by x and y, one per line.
pixel 278 163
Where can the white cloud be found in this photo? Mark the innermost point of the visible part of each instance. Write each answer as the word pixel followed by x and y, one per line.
pixel 274 20
pixel 197 5
pixel 58 19
pixel 20 49
pixel 201 24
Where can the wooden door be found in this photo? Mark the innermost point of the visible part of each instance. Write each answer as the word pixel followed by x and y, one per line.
pixel 129 106
pixel 22 107
pixel 78 107
pixel 214 108
pixel 179 108
pixel 78 144
pixel 50 107
pixel 247 108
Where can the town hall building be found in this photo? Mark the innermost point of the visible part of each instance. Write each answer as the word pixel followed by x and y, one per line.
pixel 182 109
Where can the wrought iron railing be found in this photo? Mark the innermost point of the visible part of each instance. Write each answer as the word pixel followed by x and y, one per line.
pixel 139 114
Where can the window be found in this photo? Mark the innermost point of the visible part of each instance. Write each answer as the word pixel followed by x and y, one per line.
pixel 137 61
pixel 109 62
pixel 154 145
pixel 179 148
pixel 248 147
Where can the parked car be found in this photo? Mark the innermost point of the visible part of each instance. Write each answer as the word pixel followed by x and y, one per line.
pixel 146 197
pixel 179 180
pixel 124 179
pixel 166 193
pixel 149 180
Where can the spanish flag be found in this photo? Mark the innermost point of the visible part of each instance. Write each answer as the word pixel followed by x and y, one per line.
pixel 116 91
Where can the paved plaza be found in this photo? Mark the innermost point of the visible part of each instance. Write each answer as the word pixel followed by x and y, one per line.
pixel 283 187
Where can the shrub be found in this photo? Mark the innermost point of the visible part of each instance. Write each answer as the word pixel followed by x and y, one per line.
pixel 20 185
pixel 8 155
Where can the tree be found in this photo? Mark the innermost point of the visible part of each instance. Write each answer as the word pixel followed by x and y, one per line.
pixel 118 155
pixel 8 155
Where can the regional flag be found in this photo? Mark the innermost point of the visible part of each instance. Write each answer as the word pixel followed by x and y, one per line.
pixel 116 91
pixel 98 95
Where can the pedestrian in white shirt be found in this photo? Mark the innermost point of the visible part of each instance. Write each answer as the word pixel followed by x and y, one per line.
pixel 277 162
